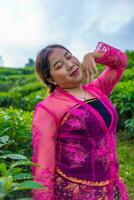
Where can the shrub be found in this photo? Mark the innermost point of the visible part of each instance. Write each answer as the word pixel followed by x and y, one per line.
pixel 17 125
pixel 128 75
pixel 123 98
pixel 15 174
pixel 24 97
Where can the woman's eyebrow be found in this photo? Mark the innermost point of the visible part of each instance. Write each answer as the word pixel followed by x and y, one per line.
pixel 60 60
pixel 66 53
pixel 56 63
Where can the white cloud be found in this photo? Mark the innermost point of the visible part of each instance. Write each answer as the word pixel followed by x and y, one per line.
pixel 23 26
pixel 78 48
pixel 107 17
pixel 21 23
pixel 29 25
pixel 121 14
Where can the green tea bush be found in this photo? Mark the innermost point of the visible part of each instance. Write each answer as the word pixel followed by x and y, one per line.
pixel 17 125
pixel 18 78
pixel 13 71
pixel 10 71
pixel 15 172
pixel 5 99
pixel 25 79
pixel 27 89
pixel 28 70
pixel 128 74
pixel 5 86
pixel 28 102
pixel 123 98
pixel 15 143
pixel 130 55
pixel 24 97
pixel 10 78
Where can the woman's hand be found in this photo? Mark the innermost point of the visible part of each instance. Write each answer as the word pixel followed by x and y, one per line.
pixel 89 67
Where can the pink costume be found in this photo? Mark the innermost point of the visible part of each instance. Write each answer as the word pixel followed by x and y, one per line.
pixel 75 149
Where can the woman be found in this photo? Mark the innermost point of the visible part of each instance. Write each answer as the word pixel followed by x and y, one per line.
pixel 74 128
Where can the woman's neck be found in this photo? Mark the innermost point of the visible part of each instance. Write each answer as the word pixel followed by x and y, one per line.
pixel 79 92
pixel 75 90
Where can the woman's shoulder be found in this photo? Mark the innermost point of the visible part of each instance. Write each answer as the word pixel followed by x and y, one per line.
pixel 44 103
pixel 50 103
pixel 45 108
pixel 56 104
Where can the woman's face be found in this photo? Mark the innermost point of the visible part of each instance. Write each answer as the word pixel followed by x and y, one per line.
pixel 62 66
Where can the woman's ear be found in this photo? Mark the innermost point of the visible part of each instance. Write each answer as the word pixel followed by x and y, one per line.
pixel 50 80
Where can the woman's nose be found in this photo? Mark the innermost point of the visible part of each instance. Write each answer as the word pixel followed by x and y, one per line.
pixel 70 66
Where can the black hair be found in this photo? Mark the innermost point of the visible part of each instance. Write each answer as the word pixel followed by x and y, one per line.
pixel 42 64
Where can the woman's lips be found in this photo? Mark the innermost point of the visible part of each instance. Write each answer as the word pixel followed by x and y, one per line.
pixel 76 72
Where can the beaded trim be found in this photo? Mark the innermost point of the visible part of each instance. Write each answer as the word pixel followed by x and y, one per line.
pixel 64 118
pixel 75 180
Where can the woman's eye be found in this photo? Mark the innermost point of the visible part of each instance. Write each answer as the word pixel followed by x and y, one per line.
pixel 58 66
pixel 68 56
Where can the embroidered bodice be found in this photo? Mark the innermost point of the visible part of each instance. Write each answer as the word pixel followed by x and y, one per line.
pixel 80 149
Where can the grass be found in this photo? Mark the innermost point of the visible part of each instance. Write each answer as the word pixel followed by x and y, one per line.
pixel 125 149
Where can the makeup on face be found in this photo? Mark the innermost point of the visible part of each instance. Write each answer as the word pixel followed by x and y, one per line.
pixel 65 68
pixel 60 57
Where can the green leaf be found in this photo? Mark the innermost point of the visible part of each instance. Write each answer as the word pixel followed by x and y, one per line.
pixel 5 144
pixel 3 169
pixel 2 194
pixel 4 139
pixel 13 171
pixel 22 176
pixel 1 145
pixel 14 156
pixel 5 130
pixel 26 185
pixel 6 182
pixel 23 163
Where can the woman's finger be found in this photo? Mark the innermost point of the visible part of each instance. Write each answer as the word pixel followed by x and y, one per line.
pixel 92 77
pixel 88 75
pixel 91 70
pixel 84 74
pixel 95 68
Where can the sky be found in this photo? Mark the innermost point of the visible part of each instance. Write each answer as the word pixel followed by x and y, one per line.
pixel 27 26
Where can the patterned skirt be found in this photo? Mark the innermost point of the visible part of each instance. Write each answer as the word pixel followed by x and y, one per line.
pixel 68 190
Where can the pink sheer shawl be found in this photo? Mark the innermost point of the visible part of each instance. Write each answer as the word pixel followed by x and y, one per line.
pixel 50 112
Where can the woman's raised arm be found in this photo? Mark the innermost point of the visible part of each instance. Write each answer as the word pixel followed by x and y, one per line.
pixel 44 144
pixel 115 60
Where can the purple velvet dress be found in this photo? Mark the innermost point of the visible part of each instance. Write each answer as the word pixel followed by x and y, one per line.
pixel 74 142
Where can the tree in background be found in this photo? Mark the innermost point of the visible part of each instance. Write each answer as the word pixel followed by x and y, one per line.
pixel 30 63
